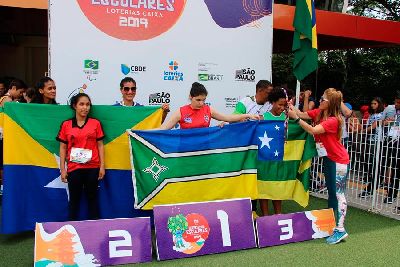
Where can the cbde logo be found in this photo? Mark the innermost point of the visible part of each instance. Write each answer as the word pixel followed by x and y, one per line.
pixel 173 74
pixel 125 69
pixel 133 20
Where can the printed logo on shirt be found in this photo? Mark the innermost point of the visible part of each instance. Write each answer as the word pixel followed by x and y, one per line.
pixel 245 75
pixel 126 69
pixel 187 120
pixel 157 99
pixel 206 118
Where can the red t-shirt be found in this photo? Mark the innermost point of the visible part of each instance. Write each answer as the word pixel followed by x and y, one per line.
pixel 195 118
pixel 334 148
pixel 81 137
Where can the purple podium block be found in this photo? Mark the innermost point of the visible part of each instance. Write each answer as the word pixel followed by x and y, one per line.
pixel 193 229
pixel 93 243
pixel 294 227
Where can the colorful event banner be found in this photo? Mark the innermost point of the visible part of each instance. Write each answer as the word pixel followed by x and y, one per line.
pixel 202 164
pixel 33 191
pixel 288 179
pixel 194 229
pixel 294 227
pixel 164 45
pixel 93 243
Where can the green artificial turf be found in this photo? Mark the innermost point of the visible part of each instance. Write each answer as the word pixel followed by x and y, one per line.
pixel 373 240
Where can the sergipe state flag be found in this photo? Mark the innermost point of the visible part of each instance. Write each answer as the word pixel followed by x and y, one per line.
pixel 288 179
pixel 33 191
pixel 191 165
pixel 304 39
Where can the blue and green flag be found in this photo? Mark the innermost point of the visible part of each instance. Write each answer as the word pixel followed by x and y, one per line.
pixel 191 165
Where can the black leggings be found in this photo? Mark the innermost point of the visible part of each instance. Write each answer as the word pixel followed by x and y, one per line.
pixel 83 180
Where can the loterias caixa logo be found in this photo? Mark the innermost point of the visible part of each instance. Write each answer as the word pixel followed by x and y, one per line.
pixel 133 20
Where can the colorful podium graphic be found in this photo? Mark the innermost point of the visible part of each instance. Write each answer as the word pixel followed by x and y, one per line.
pixel 93 243
pixel 193 229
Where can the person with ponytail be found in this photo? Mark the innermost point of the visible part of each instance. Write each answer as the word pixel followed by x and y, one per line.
pixel 327 133
pixel 81 147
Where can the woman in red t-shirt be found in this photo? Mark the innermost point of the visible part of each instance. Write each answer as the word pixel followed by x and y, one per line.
pixel 198 115
pixel 81 146
pixel 327 133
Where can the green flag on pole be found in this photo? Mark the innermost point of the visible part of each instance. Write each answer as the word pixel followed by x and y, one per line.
pixel 304 39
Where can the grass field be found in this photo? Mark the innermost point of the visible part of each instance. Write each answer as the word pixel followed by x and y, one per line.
pixel 373 241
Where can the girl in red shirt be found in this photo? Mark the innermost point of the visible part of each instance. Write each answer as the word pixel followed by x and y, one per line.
pixel 198 115
pixel 81 147
pixel 327 133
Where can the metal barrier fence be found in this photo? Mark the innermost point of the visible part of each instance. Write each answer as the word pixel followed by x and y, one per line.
pixel 374 174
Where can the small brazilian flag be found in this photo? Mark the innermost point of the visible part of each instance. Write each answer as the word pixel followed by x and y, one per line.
pixel 91 64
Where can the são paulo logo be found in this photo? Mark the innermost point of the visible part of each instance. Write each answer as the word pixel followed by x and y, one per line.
pixel 157 99
pixel 189 233
pixel 133 20
pixel 172 74
pixel 246 75
pixel 126 69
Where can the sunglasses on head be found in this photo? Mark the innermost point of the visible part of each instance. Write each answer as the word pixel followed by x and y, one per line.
pixel 126 89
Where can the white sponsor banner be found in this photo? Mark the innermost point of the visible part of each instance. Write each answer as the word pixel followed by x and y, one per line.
pixel 165 45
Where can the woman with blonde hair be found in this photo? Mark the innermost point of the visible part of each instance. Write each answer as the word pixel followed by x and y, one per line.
pixel 327 133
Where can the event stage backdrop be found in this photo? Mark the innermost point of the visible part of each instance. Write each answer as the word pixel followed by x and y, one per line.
pixel 165 45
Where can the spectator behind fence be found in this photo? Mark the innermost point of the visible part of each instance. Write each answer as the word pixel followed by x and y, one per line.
pixel 364 112
pixel 327 133
pixel 372 130
pixel 306 101
pixel 45 92
pixel 345 134
pixel 391 117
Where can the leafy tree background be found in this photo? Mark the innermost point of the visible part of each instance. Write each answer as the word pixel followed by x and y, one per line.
pixel 360 73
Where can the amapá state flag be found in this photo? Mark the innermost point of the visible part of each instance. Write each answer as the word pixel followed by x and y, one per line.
pixel 193 165
pixel 33 191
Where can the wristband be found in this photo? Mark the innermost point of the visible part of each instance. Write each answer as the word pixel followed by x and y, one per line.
pixel 297 120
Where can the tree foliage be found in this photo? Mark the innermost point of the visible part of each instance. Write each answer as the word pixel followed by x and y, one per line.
pixel 385 9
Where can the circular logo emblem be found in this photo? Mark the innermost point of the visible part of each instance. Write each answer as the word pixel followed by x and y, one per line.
pixel 133 20
pixel 189 232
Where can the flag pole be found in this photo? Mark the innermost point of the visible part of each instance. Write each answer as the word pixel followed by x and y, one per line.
pixel 297 93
